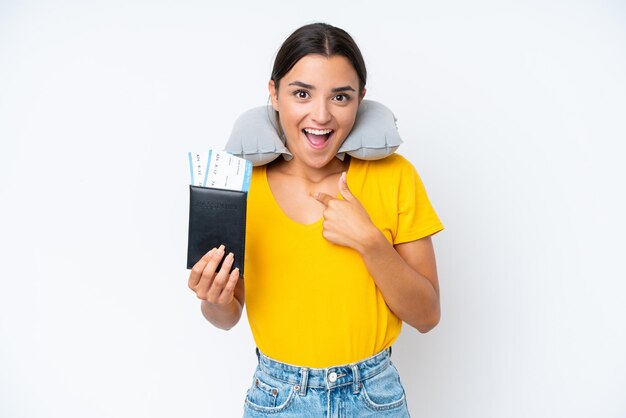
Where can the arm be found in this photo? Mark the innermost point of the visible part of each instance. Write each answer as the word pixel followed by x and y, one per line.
pixel 406 275
pixel 222 293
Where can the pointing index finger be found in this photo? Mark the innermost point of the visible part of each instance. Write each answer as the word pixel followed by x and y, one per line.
pixel 323 198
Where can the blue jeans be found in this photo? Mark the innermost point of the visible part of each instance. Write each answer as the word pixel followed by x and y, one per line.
pixel 369 388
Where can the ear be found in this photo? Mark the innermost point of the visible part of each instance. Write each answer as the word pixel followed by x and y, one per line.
pixel 362 94
pixel 273 94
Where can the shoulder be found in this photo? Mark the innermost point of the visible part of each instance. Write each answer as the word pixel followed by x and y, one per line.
pixel 258 173
pixel 392 160
pixel 392 165
pixel 257 182
pixel 258 169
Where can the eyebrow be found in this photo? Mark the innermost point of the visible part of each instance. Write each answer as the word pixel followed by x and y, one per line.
pixel 310 87
pixel 344 88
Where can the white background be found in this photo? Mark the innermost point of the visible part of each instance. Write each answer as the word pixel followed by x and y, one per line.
pixel 513 112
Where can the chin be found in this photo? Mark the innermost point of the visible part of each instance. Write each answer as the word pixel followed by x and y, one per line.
pixel 322 162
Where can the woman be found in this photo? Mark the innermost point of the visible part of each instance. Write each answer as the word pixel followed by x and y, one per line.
pixel 338 252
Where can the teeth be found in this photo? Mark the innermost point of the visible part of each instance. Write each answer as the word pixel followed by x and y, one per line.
pixel 318 131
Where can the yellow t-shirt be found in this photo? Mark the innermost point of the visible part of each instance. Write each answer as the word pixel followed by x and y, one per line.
pixel 313 303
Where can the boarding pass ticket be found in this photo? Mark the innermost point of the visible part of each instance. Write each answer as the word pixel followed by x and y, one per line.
pixel 219 169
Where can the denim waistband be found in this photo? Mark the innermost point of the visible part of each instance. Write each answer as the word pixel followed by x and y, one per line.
pixel 328 378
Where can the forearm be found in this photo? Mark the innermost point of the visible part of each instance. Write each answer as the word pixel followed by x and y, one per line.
pixel 409 294
pixel 222 316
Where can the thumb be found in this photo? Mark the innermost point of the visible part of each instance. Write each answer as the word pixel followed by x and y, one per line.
pixel 343 187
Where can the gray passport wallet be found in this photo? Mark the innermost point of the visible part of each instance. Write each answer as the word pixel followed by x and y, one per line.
pixel 216 217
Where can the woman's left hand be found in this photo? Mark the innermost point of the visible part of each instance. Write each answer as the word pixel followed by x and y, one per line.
pixel 406 274
pixel 346 221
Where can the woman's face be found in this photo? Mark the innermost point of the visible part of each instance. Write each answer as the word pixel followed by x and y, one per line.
pixel 317 104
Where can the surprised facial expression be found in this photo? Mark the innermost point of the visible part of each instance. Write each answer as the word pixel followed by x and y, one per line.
pixel 317 102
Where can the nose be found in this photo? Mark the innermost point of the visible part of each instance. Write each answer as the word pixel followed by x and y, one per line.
pixel 321 113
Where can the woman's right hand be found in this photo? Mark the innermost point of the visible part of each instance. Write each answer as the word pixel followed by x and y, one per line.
pixel 216 288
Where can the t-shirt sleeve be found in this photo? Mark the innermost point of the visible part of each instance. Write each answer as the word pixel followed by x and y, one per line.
pixel 416 216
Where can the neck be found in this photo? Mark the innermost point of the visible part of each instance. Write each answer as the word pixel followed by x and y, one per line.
pixel 296 168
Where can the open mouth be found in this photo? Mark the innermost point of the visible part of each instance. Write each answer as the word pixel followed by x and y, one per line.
pixel 318 138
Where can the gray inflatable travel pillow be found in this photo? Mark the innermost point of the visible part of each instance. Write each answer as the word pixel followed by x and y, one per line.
pixel 374 135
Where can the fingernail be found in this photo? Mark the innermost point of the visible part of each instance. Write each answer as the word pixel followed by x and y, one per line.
pixel 230 256
pixel 220 250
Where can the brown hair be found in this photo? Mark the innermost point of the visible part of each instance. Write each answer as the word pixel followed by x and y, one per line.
pixel 322 39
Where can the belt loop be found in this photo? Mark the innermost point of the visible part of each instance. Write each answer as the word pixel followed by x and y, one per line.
pixel 304 381
pixel 356 382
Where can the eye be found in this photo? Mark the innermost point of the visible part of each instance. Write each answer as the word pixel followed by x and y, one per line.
pixel 341 97
pixel 301 94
